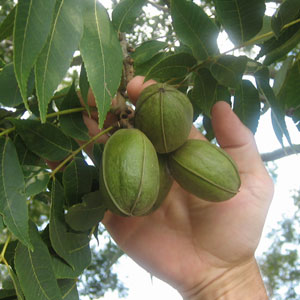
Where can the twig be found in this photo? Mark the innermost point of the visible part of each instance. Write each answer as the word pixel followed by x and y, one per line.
pixel 280 153
pixel 74 153
pixel 2 258
pixel 127 62
pixel 7 131
pixel 263 36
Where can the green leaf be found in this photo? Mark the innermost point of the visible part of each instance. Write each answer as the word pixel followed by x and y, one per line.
pixel 9 94
pixel 36 180
pixel 2 226
pixel 55 58
pixel 247 104
pixel 125 14
pixel 102 56
pixel 13 205
pixel 7 26
pixel 30 35
pixel 241 19
pixel 207 92
pixel 209 134
pixel 7 294
pixel 16 283
pixel 71 247
pixel 262 80
pixel 97 154
pixel 147 50
pixel 228 70
pixel 266 28
pixel 194 28
pixel 77 180
pixel 68 289
pixel 2 63
pixel 83 216
pixel 62 270
pixel 283 49
pixel 173 68
pixel 277 48
pixel 286 13
pixel 289 94
pixel 26 157
pixel 35 271
pixel 72 124
pixel 144 68
pixel 10 253
pixel 203 93
pixel 281 75
pixel 45 140
pixel 84 86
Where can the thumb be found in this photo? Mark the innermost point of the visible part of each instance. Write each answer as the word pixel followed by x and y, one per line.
pixel 235 138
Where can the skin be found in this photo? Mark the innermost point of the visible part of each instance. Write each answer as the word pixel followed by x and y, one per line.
pixel 205 250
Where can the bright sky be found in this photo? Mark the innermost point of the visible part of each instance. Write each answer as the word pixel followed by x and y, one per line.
pixel 140 283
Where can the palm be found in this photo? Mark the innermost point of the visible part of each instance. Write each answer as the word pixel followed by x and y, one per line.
pixel 186 227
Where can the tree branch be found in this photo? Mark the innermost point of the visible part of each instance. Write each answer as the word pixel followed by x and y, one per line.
pixel 280 153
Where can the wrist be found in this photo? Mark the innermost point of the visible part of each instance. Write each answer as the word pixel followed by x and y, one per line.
pixel 240 282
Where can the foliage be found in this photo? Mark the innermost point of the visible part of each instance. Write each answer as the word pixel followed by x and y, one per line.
pixel 99 276
pixel 47 209
pixel 280 264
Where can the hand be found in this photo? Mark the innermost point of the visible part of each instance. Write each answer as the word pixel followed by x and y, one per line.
pixel 197 246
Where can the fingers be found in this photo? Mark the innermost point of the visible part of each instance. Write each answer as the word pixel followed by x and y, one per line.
pixel 93 129
pixel 135 87
pixel 234 137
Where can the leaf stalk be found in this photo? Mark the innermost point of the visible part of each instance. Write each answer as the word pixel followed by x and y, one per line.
pixel 74 153
pixel 2 258
pixel 262 36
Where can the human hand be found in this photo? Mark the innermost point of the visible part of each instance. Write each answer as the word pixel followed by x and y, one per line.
pixel 202 248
